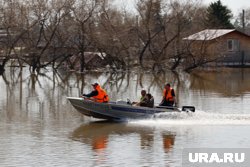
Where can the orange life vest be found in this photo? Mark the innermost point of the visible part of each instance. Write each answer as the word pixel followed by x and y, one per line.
pixel 102 95
pixel 100 143
pixel 168 95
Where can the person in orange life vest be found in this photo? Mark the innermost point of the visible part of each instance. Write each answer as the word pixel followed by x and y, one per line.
pixel 98 94
pixel 168 96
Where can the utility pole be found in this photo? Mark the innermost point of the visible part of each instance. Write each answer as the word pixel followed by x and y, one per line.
pixel 243 20
pixel 244 30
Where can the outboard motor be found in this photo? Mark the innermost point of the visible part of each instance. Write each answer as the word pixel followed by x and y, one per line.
pixel 188 108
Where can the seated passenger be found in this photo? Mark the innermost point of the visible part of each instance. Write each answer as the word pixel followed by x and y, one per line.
pixel 149 102
pixel 143 98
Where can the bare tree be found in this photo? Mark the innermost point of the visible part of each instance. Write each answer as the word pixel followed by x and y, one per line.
pixel 42 33
pixel 242 21
pixel 42 38
pixel 83 12
pixel 11 31
pixel 163 24
pixel 113 37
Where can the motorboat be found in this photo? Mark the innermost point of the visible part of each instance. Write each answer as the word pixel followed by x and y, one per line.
pixel 120 110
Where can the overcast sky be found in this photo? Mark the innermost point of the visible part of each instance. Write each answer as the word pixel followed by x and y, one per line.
pixel 235 5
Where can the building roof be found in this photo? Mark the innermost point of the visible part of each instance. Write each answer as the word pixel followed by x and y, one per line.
pixel 209 34
pixel 91 55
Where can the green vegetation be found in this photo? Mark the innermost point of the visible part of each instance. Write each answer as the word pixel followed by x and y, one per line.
pixel 219 16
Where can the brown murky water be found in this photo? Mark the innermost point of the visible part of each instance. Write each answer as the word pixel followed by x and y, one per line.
pixel 39 127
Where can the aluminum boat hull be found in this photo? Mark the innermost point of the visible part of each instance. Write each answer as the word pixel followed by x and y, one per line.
pixel 115 111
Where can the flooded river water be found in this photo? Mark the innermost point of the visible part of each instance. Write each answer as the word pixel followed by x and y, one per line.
pixel 39 127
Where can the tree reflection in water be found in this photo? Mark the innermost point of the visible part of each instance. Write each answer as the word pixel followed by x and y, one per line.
pixel 47 90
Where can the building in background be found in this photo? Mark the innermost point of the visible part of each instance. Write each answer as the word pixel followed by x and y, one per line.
pixel 228 47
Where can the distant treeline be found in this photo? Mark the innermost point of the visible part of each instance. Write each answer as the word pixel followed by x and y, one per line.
pixel 39 33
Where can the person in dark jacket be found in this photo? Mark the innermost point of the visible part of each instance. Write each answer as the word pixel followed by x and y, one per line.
pixel 149 101
pixel 142 99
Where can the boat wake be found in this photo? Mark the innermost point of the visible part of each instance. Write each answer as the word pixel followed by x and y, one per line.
pixel 197 118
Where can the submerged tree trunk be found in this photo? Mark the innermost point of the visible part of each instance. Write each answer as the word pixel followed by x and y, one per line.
pixel 2 69
pixel 2 66
pixel 191 68
pixel 82 62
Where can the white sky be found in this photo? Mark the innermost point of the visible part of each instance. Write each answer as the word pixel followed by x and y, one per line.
pixel 235 6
